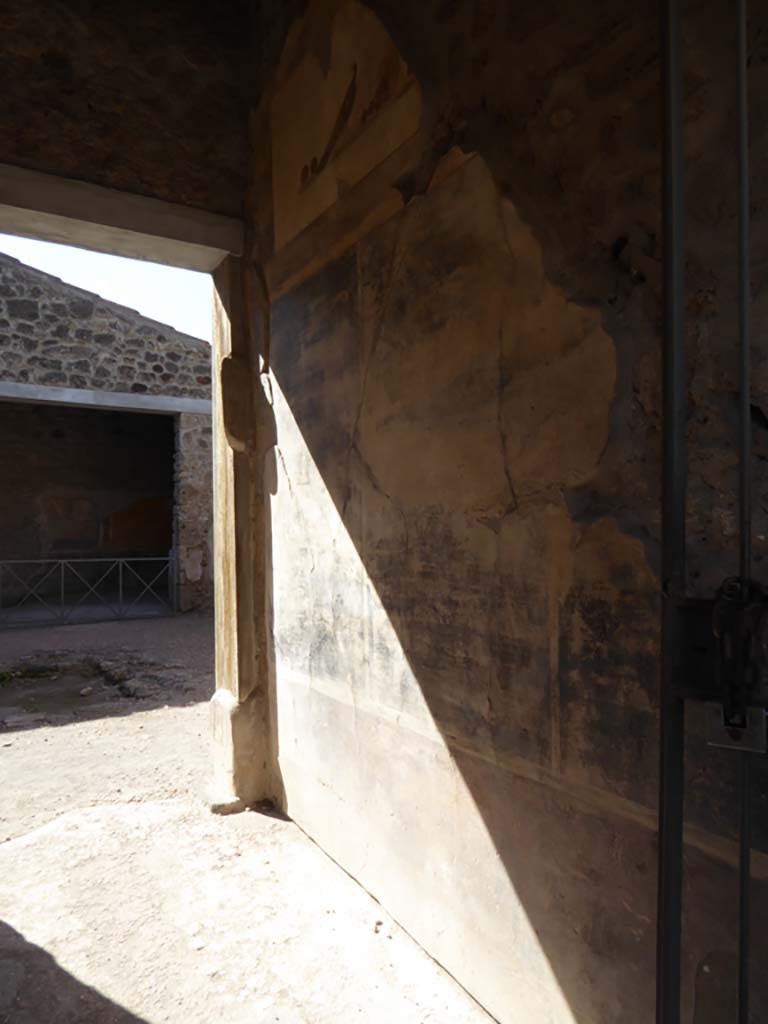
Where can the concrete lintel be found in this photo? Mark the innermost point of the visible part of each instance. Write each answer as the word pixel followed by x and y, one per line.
pixel 116 400
pixel 73 212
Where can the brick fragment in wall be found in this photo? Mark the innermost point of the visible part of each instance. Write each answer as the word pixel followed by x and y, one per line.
pixel 22 309
pixel 81 308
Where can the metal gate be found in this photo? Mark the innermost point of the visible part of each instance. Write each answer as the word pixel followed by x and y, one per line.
pixel 713 650
pixel 45 591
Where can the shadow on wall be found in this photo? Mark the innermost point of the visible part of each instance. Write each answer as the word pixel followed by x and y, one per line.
pixel 465 676
pixel 34 988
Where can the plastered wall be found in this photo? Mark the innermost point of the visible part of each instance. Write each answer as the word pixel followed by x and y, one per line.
pixel 462 513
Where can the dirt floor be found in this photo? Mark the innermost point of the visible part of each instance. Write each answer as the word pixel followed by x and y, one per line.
pixel 123 900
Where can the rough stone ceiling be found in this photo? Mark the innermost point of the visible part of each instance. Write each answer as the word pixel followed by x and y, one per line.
pixel 146 97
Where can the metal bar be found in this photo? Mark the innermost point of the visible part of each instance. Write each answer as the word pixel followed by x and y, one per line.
pixel 745 486
pixel 674 392
pixel 745 424
pixel 32 590
pixel 77 561
pixel 89 589
pixel 119 587
pixel 148 587
pixel 672 707
pixel 745 871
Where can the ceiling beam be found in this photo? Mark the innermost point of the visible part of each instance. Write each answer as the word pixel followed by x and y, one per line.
pixel 40 394
pixel 54 209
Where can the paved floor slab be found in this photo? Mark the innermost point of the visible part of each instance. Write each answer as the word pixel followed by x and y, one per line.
pixel 124 901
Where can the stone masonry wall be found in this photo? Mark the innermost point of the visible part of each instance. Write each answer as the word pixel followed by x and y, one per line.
pixel 192 511
pixel 56 335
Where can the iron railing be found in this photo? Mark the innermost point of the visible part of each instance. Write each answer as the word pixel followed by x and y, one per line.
pixel 44 591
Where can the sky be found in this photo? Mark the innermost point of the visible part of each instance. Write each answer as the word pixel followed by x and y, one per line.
pixel 181 298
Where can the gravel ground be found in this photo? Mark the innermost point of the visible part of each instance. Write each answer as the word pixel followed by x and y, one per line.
pixel 124 901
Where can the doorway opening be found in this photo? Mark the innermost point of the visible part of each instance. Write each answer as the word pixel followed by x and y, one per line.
pixel 88 514
pixel 106 437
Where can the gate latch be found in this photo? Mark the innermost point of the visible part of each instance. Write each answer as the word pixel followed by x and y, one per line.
pixel 740 627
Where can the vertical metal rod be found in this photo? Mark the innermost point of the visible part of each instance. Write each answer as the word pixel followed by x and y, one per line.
pixel 745 487
pixel 672 708
pixel 745 870
pixel 745 423
pixel 120 587
pixel 61 588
